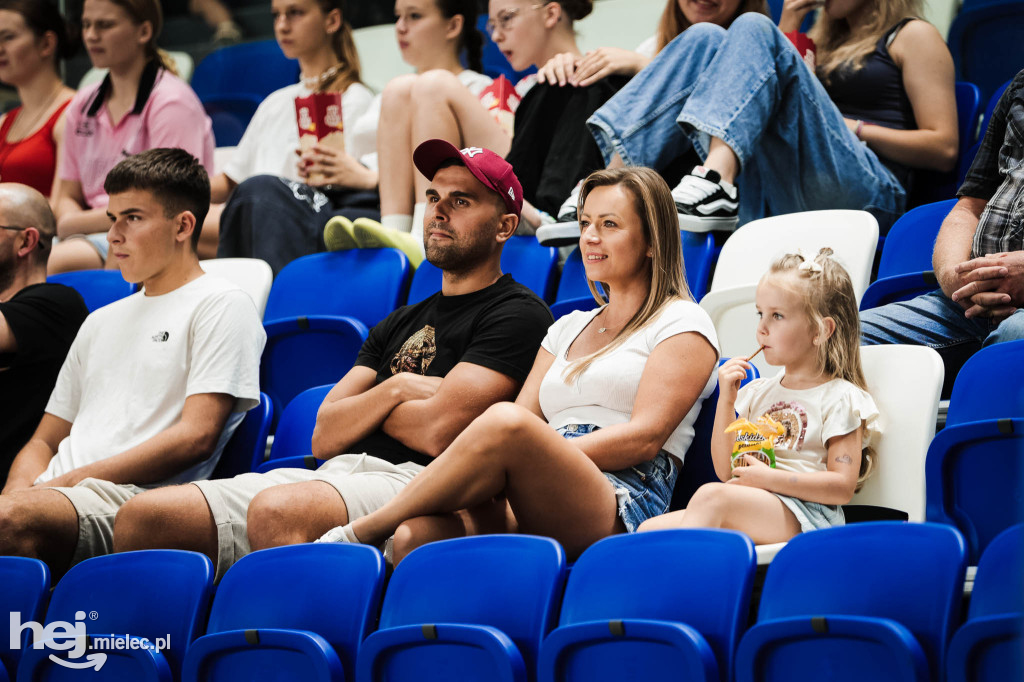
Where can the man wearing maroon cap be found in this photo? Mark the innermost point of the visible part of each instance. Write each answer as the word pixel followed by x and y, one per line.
pixel 424 373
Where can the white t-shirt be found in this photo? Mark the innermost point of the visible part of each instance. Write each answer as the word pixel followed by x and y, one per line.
pixel 268 145
pixel 648 48
pixel 811 416
pixel 364 130
pixel 133 363
pixel 605 393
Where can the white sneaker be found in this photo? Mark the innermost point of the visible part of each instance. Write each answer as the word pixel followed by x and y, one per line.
pixel 566 231
pixel 705 203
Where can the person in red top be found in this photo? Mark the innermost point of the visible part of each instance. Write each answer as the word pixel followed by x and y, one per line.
pixel 33 40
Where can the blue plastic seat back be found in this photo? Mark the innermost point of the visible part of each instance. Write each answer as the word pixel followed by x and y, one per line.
pixel 910 573
pixel 985 43
pixel 367 284
pixel 775 7
pixel 990 385
pixel 532 265
pixel 245 451
pixel 908 246
pixel 256 68
pixel 573 282
pixel 932 186
pixel 426 281
pixel 295 429
pixel 26 588
pixel 156 594
pixel 999 582
pixel 509 582
pixel 332 590
pixel 97 287
pixel 968 159
pixel 698 468
pixel 701 578
pixel 698 256
pixel 230 116
pixel 308 352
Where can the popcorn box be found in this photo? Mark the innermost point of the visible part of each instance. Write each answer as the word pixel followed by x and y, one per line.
pixel 805 46
pixel 319 120
pixel 502 100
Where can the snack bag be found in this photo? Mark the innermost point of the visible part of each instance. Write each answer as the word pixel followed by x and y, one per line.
pixel 319 119
pixel 502 100
pixel 757 439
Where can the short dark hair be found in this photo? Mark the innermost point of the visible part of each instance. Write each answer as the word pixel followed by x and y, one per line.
pixel 175 177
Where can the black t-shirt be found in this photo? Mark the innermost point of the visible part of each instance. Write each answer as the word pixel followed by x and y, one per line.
pixel 499 327
pixel 44 319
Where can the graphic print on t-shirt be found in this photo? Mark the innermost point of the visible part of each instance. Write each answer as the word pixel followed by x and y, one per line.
pixel 416 353
pixel 794 418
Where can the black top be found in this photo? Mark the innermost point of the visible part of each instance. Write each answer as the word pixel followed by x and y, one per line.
pixel 44 319
pixel 552 149
pixel 874 93
pixel 499 327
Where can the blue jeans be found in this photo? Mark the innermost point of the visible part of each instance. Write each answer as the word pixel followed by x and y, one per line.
pixel 641 491
pixel 936 321
pixel 748 87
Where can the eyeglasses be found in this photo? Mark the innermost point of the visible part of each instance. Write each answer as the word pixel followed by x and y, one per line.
pixel 506 18
pixel 42 238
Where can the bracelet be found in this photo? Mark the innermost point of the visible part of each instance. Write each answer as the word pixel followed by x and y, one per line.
pixel 860 128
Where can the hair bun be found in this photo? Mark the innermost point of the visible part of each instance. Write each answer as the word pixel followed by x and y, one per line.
pixel 577 9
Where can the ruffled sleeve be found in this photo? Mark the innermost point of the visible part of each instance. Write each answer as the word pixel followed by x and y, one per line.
pixel 850 409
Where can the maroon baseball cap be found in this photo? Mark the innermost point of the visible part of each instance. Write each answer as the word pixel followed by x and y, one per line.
pixel 489 168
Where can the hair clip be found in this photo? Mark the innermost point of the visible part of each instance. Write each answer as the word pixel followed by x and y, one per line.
pixel 809 266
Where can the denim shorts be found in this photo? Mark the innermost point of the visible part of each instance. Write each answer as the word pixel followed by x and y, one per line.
pixel 642 491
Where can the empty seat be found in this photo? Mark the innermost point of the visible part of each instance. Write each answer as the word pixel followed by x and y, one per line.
pixel 293 441
pixel 244 452
pixel 97 287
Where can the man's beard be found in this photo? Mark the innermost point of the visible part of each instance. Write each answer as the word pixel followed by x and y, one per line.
pixel 458 255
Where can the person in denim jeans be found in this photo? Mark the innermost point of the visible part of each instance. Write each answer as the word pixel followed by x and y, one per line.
pixel 593 443
pixel 978 258
pixel 882 103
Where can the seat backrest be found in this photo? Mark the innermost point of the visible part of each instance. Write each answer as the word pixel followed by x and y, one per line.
pixel 245 451
pixel 156 594
pixel 367 284
pixel 330 589
pixel 701 578
pixel 97 287
pixel 905 383
pixel 573 282
pixel 532 265
pixel 26 587
pixel 748 252
pixel 985 43
pixel 998 583
pixel 509 582
pixel 426 281
pixel 252 275
pixel 990 385
pixel 256 68
pixel 931 186
pixel 911 573
pixel 294 434
pixel 386 61
pixel 908 246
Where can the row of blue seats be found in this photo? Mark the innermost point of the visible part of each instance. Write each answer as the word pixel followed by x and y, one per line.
pixel 870 601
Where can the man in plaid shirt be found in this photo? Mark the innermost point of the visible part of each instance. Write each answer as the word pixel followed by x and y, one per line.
pixel 978 257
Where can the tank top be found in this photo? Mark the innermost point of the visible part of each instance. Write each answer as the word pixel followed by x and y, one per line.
pixel 31 161
pixel 874 94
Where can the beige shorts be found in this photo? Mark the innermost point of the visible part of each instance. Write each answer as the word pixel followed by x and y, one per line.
pixel 96 502
pixel 365 484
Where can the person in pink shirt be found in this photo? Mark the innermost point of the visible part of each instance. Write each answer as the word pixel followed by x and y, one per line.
pixel 140 105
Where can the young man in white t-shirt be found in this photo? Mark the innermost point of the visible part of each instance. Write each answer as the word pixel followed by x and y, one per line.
pixel 153 385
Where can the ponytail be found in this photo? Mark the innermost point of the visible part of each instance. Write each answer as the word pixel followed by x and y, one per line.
pixel 470 40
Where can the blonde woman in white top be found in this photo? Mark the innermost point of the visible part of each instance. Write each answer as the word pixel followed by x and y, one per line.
pixel 593 443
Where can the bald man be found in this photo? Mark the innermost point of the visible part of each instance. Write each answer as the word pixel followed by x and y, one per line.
pixel 38 321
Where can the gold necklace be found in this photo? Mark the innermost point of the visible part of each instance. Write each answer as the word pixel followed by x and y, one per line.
pixel 316 83
pixel 17 137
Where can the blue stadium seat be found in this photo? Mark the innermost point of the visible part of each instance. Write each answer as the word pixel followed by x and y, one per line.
pixel 290 613
pixel 245 451
pixel 473 608
pixel 532 265
pixel 129 604
pixel 867 601
pixel 318 313
pixel 775 7
pixel 905 268
pixel 974 472
pixel 565 306
pixel 573 282
pixel 232 81
pixel 662 605
pixel 932 186
pixel 989 647
pixel 26 587
pixel 293 440
pixel 967 159
pixel 97 287
pixel 698 468
pixel 985 43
